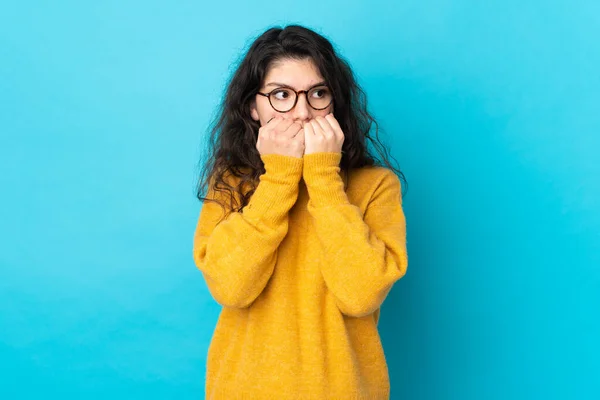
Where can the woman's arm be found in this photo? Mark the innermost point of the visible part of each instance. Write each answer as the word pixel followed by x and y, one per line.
pixel 237 255
pixel 364 257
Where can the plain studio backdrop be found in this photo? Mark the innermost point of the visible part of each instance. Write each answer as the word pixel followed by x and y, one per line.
pixel 492 109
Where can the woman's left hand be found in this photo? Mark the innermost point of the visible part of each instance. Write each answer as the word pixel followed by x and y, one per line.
pixel 323 134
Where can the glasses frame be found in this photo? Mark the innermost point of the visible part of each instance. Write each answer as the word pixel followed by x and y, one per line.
pixel 298 93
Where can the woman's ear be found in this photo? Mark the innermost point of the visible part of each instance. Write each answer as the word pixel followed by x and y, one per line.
pixel 254 111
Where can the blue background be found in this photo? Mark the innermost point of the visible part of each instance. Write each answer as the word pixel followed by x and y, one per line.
pixel 492 109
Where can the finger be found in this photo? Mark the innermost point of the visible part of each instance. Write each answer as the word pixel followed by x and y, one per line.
pixel 318 131
pixel 276 126
pixel 308 128
pixel 334 124
pixel 283 125
pixel 273 122
pixel 292 130
pixel 327 129
pixel 317 128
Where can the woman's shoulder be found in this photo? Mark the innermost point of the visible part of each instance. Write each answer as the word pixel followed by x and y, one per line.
pixel 368 183
pixel 370 176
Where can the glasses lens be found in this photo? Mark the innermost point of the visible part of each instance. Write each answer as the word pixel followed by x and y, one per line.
pixel 283 99
pixel 320 97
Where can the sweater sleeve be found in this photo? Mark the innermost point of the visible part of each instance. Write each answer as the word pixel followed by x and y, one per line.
pixel 237 255
pixel 364 256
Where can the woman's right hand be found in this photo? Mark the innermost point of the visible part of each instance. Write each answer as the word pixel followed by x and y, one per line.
pixel 281 136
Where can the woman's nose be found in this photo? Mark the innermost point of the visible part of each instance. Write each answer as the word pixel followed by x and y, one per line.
pixel 302 109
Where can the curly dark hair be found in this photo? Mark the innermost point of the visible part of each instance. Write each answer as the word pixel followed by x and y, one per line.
pixel 233 132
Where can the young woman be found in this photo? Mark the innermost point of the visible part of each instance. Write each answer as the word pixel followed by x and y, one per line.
pixel 302 234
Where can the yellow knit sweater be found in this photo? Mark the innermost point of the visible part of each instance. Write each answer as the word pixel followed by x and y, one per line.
pixel 301 274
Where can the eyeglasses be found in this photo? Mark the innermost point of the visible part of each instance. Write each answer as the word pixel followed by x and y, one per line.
pixel 283 99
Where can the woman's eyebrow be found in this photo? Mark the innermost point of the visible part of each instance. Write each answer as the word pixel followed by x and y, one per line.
pixel 278 84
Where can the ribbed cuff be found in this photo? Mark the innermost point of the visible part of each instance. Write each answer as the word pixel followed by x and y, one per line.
pixel 277 190
pixel 323 180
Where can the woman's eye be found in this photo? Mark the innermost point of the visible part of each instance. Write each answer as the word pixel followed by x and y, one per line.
pixel 281 94
pixel 320 93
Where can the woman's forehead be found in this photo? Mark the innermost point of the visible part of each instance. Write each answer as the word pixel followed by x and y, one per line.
pixel 295 73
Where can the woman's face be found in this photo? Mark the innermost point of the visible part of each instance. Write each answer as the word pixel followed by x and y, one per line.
pixel 297 75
